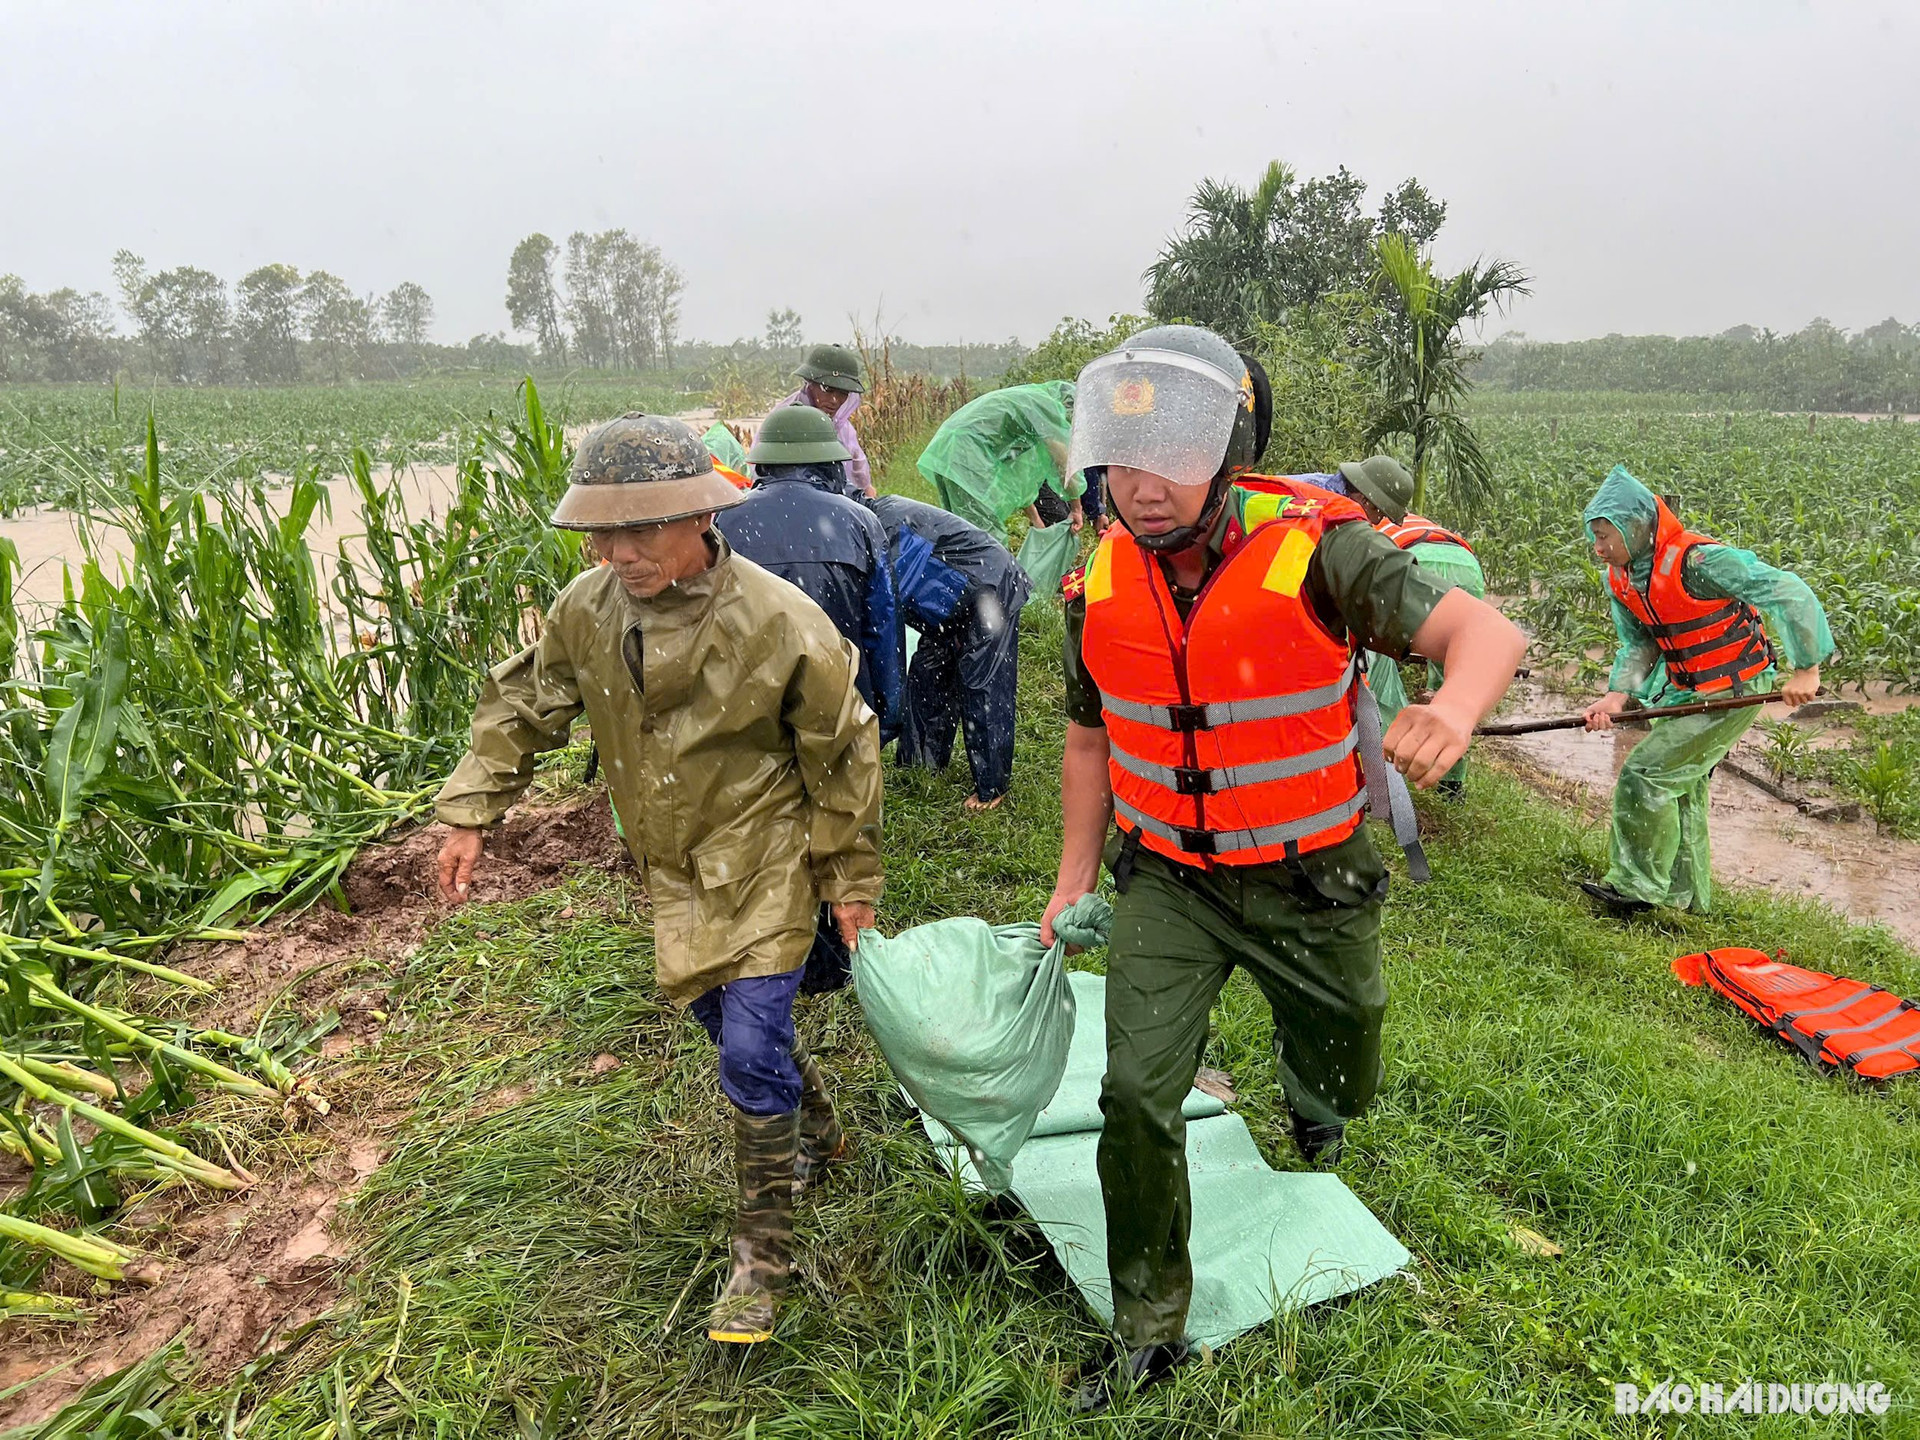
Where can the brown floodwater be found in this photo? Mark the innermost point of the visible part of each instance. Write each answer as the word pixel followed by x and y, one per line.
pixel 49 539
pixel 1757 840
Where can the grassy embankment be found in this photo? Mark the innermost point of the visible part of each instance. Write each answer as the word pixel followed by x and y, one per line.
pixel 1724 1213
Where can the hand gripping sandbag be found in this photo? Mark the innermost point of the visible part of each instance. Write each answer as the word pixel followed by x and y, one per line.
pixel 975 1020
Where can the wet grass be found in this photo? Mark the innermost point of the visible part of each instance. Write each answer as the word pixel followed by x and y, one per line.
pixel 544 1268
pixel 537 1255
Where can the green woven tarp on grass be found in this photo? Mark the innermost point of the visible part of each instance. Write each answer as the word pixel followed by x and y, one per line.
pixel 1263 1241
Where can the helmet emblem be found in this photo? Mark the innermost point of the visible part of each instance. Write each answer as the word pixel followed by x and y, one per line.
pixel 1133 397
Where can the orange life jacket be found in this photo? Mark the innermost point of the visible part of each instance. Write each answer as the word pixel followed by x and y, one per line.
pixel 1835 1023
pixel 1708 645
pixel 1418 530
pixel 1232 733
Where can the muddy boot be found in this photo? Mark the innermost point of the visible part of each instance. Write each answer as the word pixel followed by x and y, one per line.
pixel 822 1141
pixel 764 1148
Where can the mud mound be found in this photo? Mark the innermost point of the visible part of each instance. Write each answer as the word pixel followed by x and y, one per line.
pixel 390 888
pixel 244 1270
pixel 241 1273
pixel 526 853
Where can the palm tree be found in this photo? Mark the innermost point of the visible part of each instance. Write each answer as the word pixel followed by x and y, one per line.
pixel 1419 358
pixel 1222 273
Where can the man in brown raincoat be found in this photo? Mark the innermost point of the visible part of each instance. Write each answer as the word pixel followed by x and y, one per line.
pixel 746 769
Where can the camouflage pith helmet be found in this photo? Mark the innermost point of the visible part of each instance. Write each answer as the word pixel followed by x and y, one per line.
pixel 1384 481
pixel 641 470
pixel 794 435
pixel 834 366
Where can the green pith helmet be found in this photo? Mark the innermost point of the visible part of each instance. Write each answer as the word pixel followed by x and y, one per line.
pixel 1384 481
pixel 642 470
pixel 794 435
pixel 834 366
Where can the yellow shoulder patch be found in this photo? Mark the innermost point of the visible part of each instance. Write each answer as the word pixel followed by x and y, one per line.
pixel 1289 568
pixel 1100 572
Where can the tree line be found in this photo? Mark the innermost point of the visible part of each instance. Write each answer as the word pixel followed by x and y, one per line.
pixel 1364 341
pixel 607 301
pixel 1820 367
pixel 189 327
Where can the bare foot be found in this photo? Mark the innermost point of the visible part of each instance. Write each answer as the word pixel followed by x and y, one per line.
pixel 975 803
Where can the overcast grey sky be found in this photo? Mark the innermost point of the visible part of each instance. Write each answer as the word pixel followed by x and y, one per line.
pixel 981 169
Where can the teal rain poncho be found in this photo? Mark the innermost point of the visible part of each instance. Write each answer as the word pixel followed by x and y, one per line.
pixel 992 456
pixel 1446 562
pixel 725 447
pixel 1658 850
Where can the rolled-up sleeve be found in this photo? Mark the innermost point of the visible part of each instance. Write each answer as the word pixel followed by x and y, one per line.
pixel 836 742
pixel 527 706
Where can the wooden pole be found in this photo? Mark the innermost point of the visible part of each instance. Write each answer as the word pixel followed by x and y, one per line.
pixel 1663 712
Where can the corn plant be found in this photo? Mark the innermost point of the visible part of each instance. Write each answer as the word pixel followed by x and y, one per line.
pixel 1789 752
pixel 207 732
pixel 1839 506
pixel 897 407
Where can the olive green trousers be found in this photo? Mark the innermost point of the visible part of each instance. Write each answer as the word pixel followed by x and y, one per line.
pixel 1312 946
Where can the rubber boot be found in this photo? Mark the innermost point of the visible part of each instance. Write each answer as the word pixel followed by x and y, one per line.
pixel 1319 1145
pixel 822 1141
pixel 1620 907
pixel 1148 1365
pixel 764 1149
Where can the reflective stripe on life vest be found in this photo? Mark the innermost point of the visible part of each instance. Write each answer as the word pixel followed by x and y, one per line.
pixel 1708 645
pixel 1418 530
pixel 1877 1038
pixel 1208 782
pixel 1236 712
pixel 1226 843
pixel 1232 734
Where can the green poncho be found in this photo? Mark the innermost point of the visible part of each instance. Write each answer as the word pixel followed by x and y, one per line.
pixel 993 455
pixel 1795 619
pixel 725 447
pixel 1658 849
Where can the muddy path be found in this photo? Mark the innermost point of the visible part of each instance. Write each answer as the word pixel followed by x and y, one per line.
pixel 240 1273
pixel 1868 876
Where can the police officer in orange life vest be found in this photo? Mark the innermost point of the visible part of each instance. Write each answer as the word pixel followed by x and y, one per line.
pixel 1216 717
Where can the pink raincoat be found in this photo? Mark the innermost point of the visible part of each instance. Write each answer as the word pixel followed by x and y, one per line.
pixel 858 471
